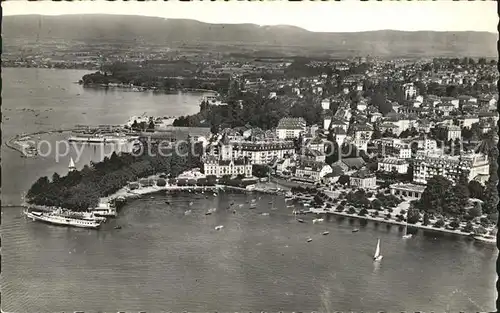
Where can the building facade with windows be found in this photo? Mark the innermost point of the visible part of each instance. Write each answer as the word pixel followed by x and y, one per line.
pixel 290 127
pixel 393 147
pixel 393 164
pixel 311 171
pixel 257 152
pixel 363 179
pixel 219 168
pixel 428 165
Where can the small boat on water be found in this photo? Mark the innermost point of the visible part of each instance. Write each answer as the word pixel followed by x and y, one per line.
pixel 300 220
pixel 377 256
pixel 309 240
pixel 265 214
pixel 326 233
pixel 355 230
pixel 253 206
pixel 187 212
pixel 118 227
pixel 167 202
pixel 210 211
pixel 317 220
pixel 191 203
pixel 215 194
pixel 219 227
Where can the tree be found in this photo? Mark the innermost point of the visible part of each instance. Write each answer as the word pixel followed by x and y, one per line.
pixel 490 197
pixel 454 224
pixel 476 210
pixel 485 222
pixel 332 149
pixel 352 210
pixel 55 178
pixel 413 216
pixel 377 204
pixel 161 182
pixel 439 223
pixel 343 180
pixel 363 212
pixel 469 228
pixel 339 208
pixel 476 190
pixel 426 220
pixel 376 133
pixel 433 200
pixel 260 170
pixel 457 197
pixel 493 217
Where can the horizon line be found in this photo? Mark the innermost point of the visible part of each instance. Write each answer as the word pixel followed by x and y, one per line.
pixel 259 25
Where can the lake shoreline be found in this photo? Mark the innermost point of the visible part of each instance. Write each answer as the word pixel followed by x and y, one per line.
pixel 126 193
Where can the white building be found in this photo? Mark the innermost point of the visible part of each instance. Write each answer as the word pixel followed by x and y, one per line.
pixel 363 179
pixel 393 147
pixel 427 145
pixel 311 171
pixel 290 127
pixel 340 135
pixel 257 152
pixel 219 168
pixel 453 132
pixel 467 121
pixel 393 164
pixel 325 104
pixel 410 90
pixel 428 165
pixel 362 135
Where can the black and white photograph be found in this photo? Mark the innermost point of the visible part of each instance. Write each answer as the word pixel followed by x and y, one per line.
pixel 249 156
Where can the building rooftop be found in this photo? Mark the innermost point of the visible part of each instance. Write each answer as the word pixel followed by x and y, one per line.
pixel 393 161
pixel 363 173
pixel 354 163
pixel 292 123
pixel 409 187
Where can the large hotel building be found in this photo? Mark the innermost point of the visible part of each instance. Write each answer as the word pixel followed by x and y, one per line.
pixel 427 165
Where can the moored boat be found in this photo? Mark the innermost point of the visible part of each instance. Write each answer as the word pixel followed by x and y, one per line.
pixel 58 219
pixel 486 238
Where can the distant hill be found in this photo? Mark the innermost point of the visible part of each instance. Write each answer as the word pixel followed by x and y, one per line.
pixel 175 32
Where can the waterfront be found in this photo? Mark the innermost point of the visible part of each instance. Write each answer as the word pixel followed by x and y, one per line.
pixel 254 263
pixel 163 260
pixel 60 103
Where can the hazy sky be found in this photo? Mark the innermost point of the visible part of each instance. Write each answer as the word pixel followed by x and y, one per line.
pixel 345 16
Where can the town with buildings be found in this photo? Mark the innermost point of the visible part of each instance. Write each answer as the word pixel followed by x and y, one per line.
pixel 413 131
pixel 233 159
pixel 394 127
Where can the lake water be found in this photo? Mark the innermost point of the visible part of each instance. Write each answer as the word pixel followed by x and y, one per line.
pixel 163 259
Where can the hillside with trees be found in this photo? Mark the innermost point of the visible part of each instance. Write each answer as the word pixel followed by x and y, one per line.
pixel 80 190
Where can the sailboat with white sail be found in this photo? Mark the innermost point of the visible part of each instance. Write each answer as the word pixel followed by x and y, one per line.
pixel 377 256
pixel 406 235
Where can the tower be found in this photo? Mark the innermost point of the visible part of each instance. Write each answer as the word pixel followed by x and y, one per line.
pixel 71 166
